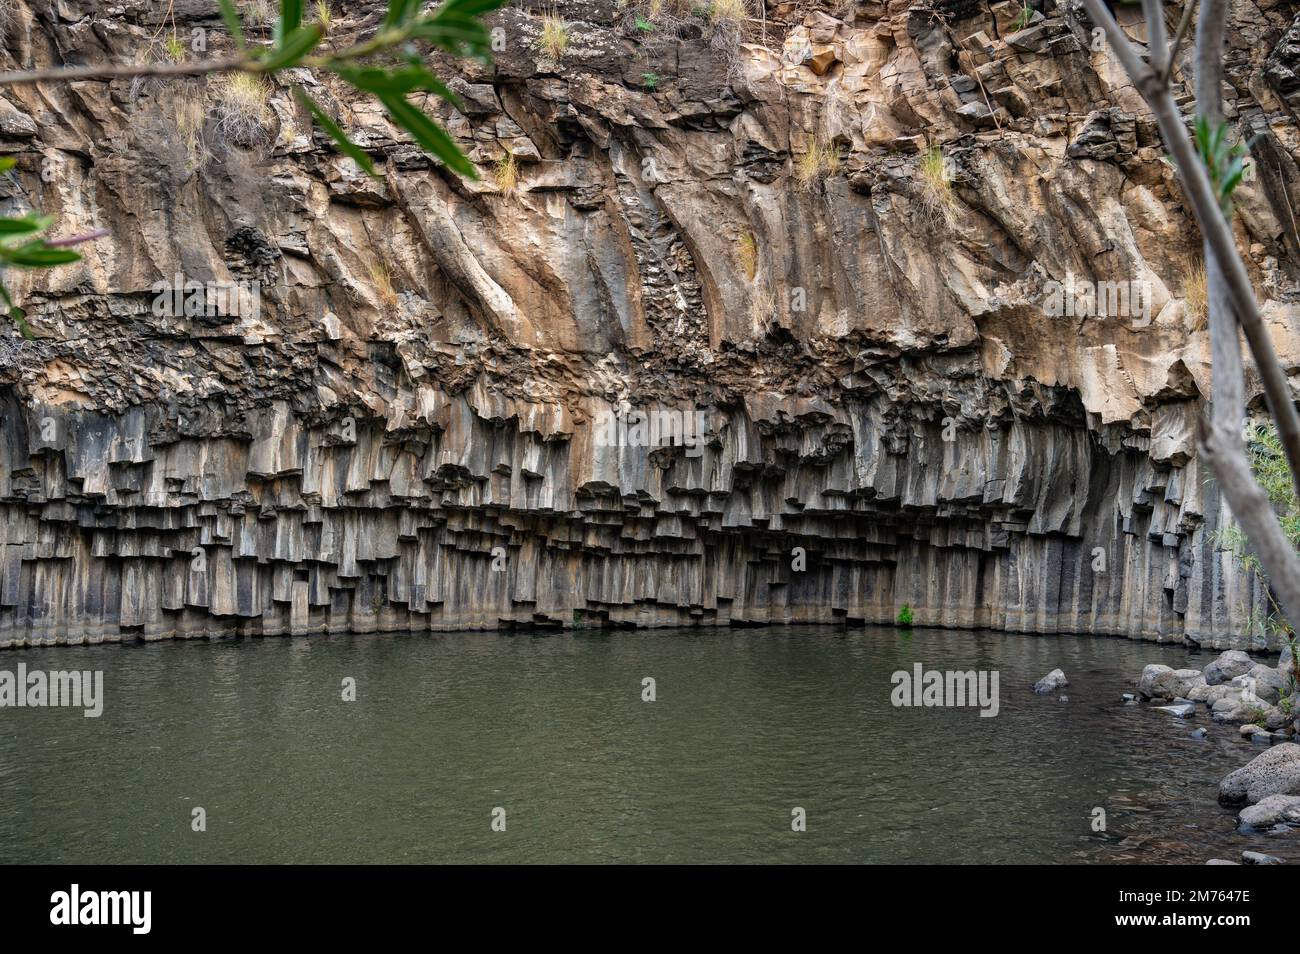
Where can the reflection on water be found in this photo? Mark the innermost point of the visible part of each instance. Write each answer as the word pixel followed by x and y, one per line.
pixel 748 724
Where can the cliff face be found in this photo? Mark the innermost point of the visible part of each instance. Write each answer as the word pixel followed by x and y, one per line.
pixel 827 235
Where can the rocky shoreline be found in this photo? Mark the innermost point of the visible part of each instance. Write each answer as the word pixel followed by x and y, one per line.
pixel 1238 690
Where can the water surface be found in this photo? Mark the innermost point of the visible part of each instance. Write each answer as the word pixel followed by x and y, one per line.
pixel 748 724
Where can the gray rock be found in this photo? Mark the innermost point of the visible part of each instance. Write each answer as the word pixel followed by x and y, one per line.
pixel 1184 711
pixel 1270 811
pixel 1172 683
pixel 1229 665
pixel 1147 681
pixel 1275 772
pixel 1199 734
pixel 1222 861
pixel 1267 683
pixel 1051 682
pixel 1259 858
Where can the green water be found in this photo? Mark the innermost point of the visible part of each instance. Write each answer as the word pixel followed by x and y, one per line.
pixel 747 725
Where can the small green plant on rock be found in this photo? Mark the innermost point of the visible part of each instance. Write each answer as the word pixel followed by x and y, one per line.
pixel 905 617
pixel 554 39
pixel 1023 17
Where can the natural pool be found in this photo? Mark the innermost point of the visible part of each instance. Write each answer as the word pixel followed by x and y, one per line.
pixel 746 726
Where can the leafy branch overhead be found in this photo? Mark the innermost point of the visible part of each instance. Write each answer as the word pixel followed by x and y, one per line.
pixel 389 65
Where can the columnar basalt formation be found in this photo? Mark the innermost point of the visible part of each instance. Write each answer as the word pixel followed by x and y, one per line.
pixel 835 242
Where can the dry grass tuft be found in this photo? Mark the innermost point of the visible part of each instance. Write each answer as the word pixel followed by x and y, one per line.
pixel 259 13
pixel 1196 299
pixel 554 39
pixel 191 117
pixel 939 200
pixel 727 19
pixel 747 250
pixel 762 307
pixel 817 162
pixel 506 174
pixel 244 115
pixel 382 278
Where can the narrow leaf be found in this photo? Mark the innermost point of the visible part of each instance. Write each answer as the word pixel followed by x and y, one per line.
pixel 297 45
pixel 290 19
pixel 38 255
pixel 399 11
pixel 431 137
pixel 25 225
pixel 335 131
pixel 231 16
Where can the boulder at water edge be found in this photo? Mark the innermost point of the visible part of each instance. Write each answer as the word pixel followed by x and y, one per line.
pixel 1275 772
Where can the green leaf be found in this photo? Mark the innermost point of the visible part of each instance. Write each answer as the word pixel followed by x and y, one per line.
pixel 396 82
pixel 231 16
pixel 19 318
pixel 431 137
pixel 469 7
pixel 7 163
pixel 25 225
pixel 335 131
pixel 454 37
pixel 290 20
pixel 37 255
pixel 295 46
pixel 399 11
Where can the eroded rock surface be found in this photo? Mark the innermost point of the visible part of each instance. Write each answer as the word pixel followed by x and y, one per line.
pixel 405 431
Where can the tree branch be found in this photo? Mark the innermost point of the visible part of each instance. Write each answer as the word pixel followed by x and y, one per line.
pixel 1215 228
pixel 1178 41
pixel 108 71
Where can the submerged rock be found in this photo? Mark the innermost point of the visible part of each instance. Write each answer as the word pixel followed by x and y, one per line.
pixel 1183 711
pixel 1051 682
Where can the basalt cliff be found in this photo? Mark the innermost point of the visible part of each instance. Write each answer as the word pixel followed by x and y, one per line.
pixel 828 234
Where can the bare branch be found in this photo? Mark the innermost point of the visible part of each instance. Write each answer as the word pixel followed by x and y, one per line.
pixel 1157 40
pixel 1178 41
pixel 1210 26
pixel 107 71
